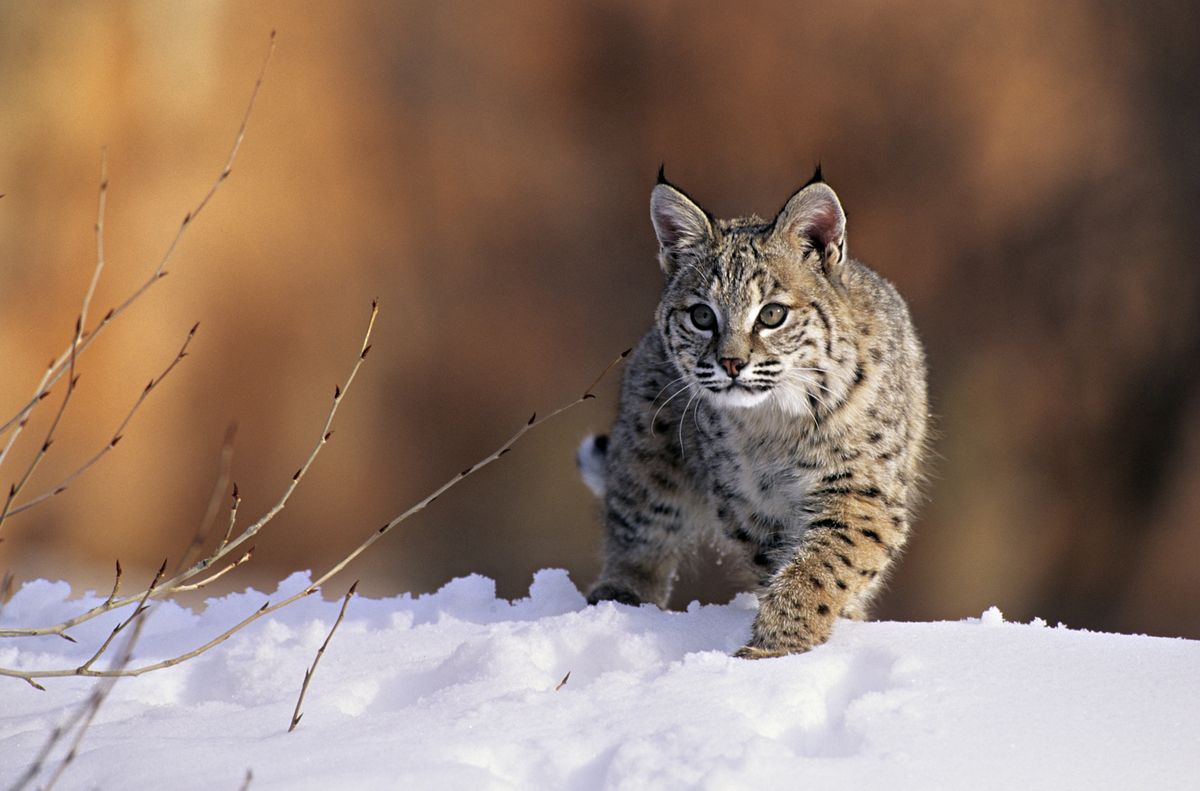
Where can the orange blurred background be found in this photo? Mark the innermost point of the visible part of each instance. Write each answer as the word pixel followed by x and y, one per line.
pixel 1026 173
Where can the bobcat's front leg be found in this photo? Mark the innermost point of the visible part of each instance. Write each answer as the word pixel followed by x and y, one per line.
pixel 642 534
pixel 836 569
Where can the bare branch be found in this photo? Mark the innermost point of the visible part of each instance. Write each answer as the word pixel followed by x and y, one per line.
pixel 101 205
pixel 66 362
pixel 6 588
pixel 95 701
pixel 297 714
pixel 80 720
pixel 15 490
pixel 279 505
pixel 172 585
pixel 39 761
pixel 216 575
pixel 533 422
pixel 116 583
pixel 233 509
pixel 58 365
pixel 228 546
pixel 117 435
pixel 214 501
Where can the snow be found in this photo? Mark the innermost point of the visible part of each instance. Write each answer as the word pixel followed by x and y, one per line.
pixel 459 689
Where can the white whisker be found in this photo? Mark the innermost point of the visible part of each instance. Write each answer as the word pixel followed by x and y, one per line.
pixel 654 419
pixel 695 395
pixel 668 384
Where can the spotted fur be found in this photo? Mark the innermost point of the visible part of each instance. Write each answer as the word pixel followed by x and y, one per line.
pixel 797 448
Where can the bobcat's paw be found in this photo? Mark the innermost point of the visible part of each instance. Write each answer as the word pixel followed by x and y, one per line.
pixel 754 652
pixel 761 647
pixel 608 591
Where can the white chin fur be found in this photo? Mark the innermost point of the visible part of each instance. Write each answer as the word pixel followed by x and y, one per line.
pixel 738 397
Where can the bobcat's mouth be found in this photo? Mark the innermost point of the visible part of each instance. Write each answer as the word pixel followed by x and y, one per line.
pixel 739 394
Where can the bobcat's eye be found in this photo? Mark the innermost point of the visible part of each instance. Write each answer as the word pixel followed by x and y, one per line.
pixel 772 315
pixel 703 317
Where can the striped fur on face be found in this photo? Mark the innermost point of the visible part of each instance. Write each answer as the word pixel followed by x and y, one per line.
pixel 746 272
pixel 802 452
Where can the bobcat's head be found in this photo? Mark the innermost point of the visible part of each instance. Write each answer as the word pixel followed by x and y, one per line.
pixel 750 310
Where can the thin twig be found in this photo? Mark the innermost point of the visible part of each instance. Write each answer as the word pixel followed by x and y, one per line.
pixel 233 509
pixel 6 588
pixel 98 696
pixel 268 607
pixel 227 546
pixel 79 721
pixel 82 719
pixel 141 608
pixel 72 380
pixel 73 351
pixel 297 714
pixel 249 553
pixel 116 437
pixel 224 465
pixel 339 392
pixel 533 422
pixel 101 205
pixel 57 366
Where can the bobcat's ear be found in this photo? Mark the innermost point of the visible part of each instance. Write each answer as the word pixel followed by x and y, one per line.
pixel 682 227
pixel 813 221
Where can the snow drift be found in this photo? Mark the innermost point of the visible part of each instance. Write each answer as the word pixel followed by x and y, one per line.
pixel 459 689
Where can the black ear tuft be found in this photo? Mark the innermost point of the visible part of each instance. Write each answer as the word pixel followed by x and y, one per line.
pixel 683 228
pixel 813 221
pixel 662 175
pixel 817 178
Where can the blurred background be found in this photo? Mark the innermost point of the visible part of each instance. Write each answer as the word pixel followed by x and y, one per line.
pixel 1026 173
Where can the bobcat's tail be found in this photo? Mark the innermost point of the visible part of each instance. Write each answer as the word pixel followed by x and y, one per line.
pixel 592 460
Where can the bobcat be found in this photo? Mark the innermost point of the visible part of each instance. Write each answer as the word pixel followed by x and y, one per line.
pixel 802 455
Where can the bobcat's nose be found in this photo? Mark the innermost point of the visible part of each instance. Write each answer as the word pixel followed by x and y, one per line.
pixel 732 366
